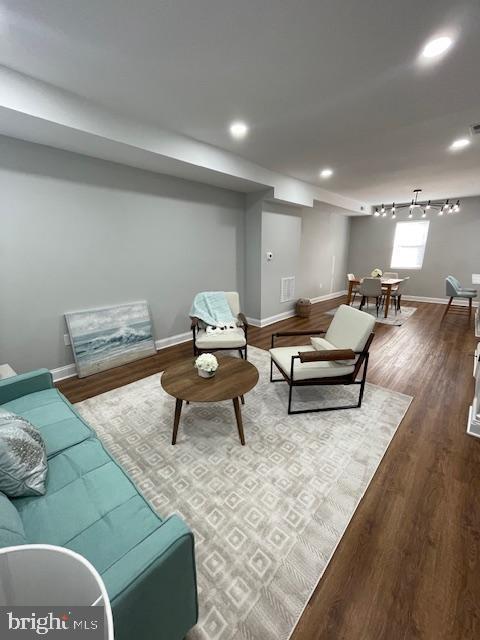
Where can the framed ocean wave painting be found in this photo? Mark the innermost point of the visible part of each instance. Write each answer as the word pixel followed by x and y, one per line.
pixel 109 337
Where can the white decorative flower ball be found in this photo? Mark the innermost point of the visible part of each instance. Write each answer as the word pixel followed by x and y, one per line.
pixel 377 273
pixel 207 362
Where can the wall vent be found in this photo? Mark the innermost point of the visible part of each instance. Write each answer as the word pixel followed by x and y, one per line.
pixel 287 289
pixel 475 129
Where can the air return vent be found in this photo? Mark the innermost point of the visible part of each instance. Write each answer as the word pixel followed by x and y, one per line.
pixel 287 289
pixel 475 129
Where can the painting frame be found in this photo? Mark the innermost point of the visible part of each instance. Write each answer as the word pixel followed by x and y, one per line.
pixel 110 336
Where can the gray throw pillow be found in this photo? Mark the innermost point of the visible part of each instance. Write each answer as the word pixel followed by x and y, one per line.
pixel 23 459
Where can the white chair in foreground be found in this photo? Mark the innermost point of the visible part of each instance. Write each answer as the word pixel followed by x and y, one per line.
pixel 229 340
pixel 335 359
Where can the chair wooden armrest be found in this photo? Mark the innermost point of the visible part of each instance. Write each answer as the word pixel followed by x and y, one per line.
pixel 241 316
pixel 326 355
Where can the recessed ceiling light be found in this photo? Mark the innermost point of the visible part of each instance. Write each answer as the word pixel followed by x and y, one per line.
pixel 326 173
pixel 437 46
pixel 238 129
pixel 461 143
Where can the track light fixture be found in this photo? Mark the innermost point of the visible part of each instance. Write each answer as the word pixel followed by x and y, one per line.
pixel 441 206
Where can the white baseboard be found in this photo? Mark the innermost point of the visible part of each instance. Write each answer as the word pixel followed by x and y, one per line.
pixel 70 370
pixel 456 302
pixel 264 322
pixel 329 296
pixel 169 342
pixel 61 373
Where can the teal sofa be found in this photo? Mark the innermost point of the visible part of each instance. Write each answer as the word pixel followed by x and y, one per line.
pixel 92 507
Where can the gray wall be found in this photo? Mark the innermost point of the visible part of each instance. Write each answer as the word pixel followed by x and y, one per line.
pixel 281 234
pixel 310 244
pixel 78 232
pixel 253 255
pixel 324 250
pixel 452 248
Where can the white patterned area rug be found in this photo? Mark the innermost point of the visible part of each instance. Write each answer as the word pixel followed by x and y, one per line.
pixel 267 517
pixel 394 319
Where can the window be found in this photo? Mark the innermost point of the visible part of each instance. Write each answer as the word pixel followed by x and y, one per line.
pixel 409 244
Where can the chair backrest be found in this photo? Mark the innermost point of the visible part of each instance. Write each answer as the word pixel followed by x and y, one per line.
pixel 452 286
pixel 390 274
pixel 371 287
pixel 233 300
pixel 351 276
pixel 350 328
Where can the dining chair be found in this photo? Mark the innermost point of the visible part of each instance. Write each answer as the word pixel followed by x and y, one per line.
pixel 396 294
pixel 351 278
pixel 455 290
pixel 390 274
pixel 371 288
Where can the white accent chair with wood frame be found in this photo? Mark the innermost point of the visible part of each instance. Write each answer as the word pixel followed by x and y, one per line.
pixel 232 340
pixel 335 359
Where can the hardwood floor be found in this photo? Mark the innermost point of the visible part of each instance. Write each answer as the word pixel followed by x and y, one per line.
pixel 408 565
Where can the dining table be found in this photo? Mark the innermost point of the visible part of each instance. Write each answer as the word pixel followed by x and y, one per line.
pixel 387 285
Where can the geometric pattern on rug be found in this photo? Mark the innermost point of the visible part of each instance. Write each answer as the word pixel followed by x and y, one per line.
pixel 392 319
pixel 266 517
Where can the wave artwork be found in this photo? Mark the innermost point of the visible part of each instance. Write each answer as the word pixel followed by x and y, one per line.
pixel 109 337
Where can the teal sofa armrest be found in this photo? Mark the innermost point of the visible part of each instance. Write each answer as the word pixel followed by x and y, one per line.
pixel 25 383
pixel 153 588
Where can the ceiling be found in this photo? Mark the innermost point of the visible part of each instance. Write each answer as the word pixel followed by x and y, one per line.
pixel 336 83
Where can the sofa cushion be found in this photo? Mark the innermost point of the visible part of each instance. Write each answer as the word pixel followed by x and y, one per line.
pixel 91 506
pixel 307 370
pixel 23 461
pixel 350 328
pixel 12 532
pixel 233 339
pixel 59 425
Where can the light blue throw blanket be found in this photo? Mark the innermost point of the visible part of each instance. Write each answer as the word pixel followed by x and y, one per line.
pixel 212 308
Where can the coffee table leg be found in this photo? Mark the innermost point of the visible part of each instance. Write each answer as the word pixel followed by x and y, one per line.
pixel 238 416
pixel 178 411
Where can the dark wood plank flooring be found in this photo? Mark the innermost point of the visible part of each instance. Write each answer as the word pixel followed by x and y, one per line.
pixel 408 565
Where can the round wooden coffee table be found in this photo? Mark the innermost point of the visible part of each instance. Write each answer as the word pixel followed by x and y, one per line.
pixel 233 378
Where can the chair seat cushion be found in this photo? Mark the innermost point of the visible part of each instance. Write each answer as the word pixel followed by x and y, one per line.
pixel 91 507
pixel 282 356
pixel 233 339
pixel 466 293
pixel 58 423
